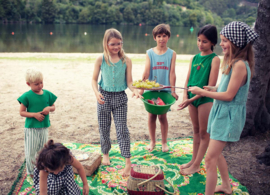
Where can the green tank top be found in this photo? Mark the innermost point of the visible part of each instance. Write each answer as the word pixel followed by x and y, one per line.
pixel 200 70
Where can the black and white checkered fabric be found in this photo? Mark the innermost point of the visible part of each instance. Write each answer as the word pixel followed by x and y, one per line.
pixel 239 33
pixel 61 184
pixel 115 103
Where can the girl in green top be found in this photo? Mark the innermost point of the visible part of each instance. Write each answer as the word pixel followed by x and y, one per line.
pixel 203 71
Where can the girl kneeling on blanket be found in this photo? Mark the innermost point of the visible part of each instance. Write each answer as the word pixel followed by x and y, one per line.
pixel 53 173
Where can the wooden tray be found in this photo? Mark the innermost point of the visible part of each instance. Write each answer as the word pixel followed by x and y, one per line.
pixel 90 164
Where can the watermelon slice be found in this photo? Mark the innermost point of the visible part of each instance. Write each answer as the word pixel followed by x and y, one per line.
pixel 151 102
pixel 160 102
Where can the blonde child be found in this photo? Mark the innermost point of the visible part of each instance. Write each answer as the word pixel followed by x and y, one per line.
pixel 160 63
pixel 116 76
pixel 36 104
pixel 54 174
pixel 203 70
pixel 228 114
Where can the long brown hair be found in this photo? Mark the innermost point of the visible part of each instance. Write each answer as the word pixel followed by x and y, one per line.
pixel 109 34
pixel 237 53
pixel 53 156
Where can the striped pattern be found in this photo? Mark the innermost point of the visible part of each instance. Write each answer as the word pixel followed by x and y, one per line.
pixel 34 140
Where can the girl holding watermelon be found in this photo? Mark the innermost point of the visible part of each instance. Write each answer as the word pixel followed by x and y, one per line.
pixel 203 71
pixel 116 76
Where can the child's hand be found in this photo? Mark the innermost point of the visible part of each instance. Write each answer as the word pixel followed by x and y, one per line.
pixel 46 111
pixel 210 88
pixel 85 189
pixel 141 91
pixel 175 95
pixel 100 98
pixel 184 104
pixel 195 90
pixel 40 117
pixel 136 94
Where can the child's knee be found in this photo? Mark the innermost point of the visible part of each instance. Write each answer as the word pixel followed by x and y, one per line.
pixel 210 163
pixel 162 118
pixel 204 135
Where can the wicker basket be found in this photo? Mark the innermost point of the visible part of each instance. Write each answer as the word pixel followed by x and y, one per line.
pixel 146 180
pixel 90 164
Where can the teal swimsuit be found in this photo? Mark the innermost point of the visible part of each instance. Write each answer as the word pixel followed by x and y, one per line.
pixel 227 119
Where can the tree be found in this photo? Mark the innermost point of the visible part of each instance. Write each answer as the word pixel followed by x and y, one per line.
pixel 128 15
pixel 48 11
pixel 258 104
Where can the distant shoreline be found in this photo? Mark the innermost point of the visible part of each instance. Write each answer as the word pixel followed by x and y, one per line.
pixel 79 55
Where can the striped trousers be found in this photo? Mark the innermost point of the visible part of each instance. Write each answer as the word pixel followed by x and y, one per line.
pixel 34 140
pixel 115 103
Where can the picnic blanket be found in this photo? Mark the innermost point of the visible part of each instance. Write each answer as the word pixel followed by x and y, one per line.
pixel 108 181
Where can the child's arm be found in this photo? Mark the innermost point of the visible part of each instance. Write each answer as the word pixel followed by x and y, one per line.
pixel 187 101
pixel 81 172
pixel 173 76
pixel 40 117
pixel 146 72
pixel 43 176
pixel 239 74
pixel 96 71
pixel 214 72
pixel 129 79
pixel 48 109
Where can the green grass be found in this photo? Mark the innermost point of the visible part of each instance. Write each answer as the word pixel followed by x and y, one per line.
pixel 80 59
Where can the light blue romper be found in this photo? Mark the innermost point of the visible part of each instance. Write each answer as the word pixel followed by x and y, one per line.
pixel 227 119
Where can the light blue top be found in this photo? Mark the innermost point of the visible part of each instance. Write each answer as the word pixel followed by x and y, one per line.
pixel 113 77
pixel 227 118
pixel 160 67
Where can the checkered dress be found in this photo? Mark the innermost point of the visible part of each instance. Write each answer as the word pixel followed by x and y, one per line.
pixel 115 103
pixel 61 184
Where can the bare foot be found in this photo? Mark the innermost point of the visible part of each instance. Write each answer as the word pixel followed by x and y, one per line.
pixel 165 148
pixel 223 188
pixel 189 170
pixel 127 169
pixel 150 147
pixel 187 165
pixel 106 160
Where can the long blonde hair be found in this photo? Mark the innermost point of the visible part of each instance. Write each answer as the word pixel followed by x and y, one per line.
pixel 237 53
pixel 109 34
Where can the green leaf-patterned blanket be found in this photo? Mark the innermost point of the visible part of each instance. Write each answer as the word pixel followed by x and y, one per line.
pixel 107 180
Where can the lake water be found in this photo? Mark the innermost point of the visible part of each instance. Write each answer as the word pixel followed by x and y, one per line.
pixel 80 38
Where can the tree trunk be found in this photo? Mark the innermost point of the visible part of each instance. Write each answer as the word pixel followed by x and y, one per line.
pixel 258 103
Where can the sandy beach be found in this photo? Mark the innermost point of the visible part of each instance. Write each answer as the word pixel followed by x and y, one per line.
pixel 69 77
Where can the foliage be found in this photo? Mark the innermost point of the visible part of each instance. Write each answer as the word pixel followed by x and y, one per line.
pixel 187 13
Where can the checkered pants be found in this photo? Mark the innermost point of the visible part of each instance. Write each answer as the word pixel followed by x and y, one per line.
pixel 61 184
pixel 115 103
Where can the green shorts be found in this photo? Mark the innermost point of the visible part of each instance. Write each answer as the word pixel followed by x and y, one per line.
pixel 199 101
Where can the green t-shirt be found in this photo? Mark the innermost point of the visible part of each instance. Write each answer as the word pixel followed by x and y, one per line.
pixel 36 103
pixel 200 70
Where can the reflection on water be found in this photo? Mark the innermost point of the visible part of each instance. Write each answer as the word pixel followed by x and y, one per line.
pixel 79 38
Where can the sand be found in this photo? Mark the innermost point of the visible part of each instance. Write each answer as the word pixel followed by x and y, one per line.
pixel 69 77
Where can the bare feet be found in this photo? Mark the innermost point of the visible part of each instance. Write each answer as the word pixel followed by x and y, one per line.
pixel 151 147
pixel 127 169
pixel 187 165
pixel 223 188
pixel 106 159
pixel 165 147
pixel 189 170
